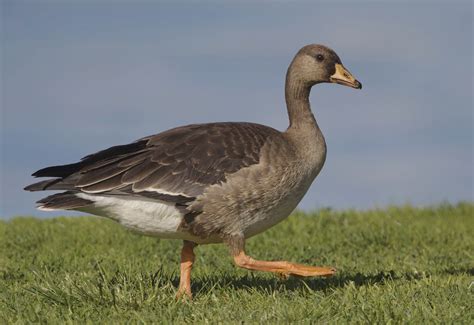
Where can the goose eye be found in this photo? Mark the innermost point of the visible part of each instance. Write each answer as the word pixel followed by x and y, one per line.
pixel 319 57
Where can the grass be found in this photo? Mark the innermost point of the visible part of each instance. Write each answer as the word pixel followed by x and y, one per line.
pixel 397 265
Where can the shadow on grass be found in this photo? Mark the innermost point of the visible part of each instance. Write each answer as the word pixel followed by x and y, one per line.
pixel 259 283
pixel 256 282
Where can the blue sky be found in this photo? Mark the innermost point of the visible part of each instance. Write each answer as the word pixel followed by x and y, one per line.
pixel 78 77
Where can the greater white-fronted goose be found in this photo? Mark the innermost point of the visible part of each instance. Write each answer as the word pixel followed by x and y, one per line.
pixel 209 183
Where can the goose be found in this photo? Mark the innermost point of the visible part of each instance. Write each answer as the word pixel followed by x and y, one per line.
pixel 209 183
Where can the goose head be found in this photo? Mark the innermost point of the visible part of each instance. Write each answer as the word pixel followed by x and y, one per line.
pixel 316 63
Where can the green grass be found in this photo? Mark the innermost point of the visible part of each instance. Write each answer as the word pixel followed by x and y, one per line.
pixel 401 264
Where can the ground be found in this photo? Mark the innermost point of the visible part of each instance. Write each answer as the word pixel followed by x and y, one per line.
pixel 399 264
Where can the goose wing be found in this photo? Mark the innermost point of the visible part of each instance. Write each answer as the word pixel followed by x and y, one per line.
pixel 176 165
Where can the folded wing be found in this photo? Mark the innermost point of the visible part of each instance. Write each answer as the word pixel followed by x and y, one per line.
pixel 176 165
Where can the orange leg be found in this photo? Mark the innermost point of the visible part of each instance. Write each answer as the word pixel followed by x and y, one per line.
pixel 281 267
pixel 237 247
pixel 187 260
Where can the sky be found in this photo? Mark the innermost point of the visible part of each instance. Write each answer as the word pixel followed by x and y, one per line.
pixel 81 76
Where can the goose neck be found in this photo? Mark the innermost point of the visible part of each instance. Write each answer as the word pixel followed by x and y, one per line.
pixel 297 102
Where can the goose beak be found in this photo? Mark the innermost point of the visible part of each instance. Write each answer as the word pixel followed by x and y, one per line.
pixel 344 77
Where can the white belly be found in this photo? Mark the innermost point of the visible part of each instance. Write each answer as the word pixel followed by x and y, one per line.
pixel 155 218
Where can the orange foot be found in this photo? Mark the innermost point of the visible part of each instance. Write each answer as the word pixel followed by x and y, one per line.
pixel 183 293
pixel 283 268
pixel 306 270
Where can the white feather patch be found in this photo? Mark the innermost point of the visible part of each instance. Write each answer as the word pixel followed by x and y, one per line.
pixel 161 191
pixel 42 208
pixel 152 217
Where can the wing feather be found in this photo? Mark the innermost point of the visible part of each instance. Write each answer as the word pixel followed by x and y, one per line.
pixel 139 171
pixel 109 184
pixel 180 162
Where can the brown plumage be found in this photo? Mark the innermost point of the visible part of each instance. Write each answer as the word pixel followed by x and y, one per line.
pixel 181 161
pixel 204 183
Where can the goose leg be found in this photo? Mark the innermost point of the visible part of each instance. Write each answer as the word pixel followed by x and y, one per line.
pixel 187 260
pixel 281 267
